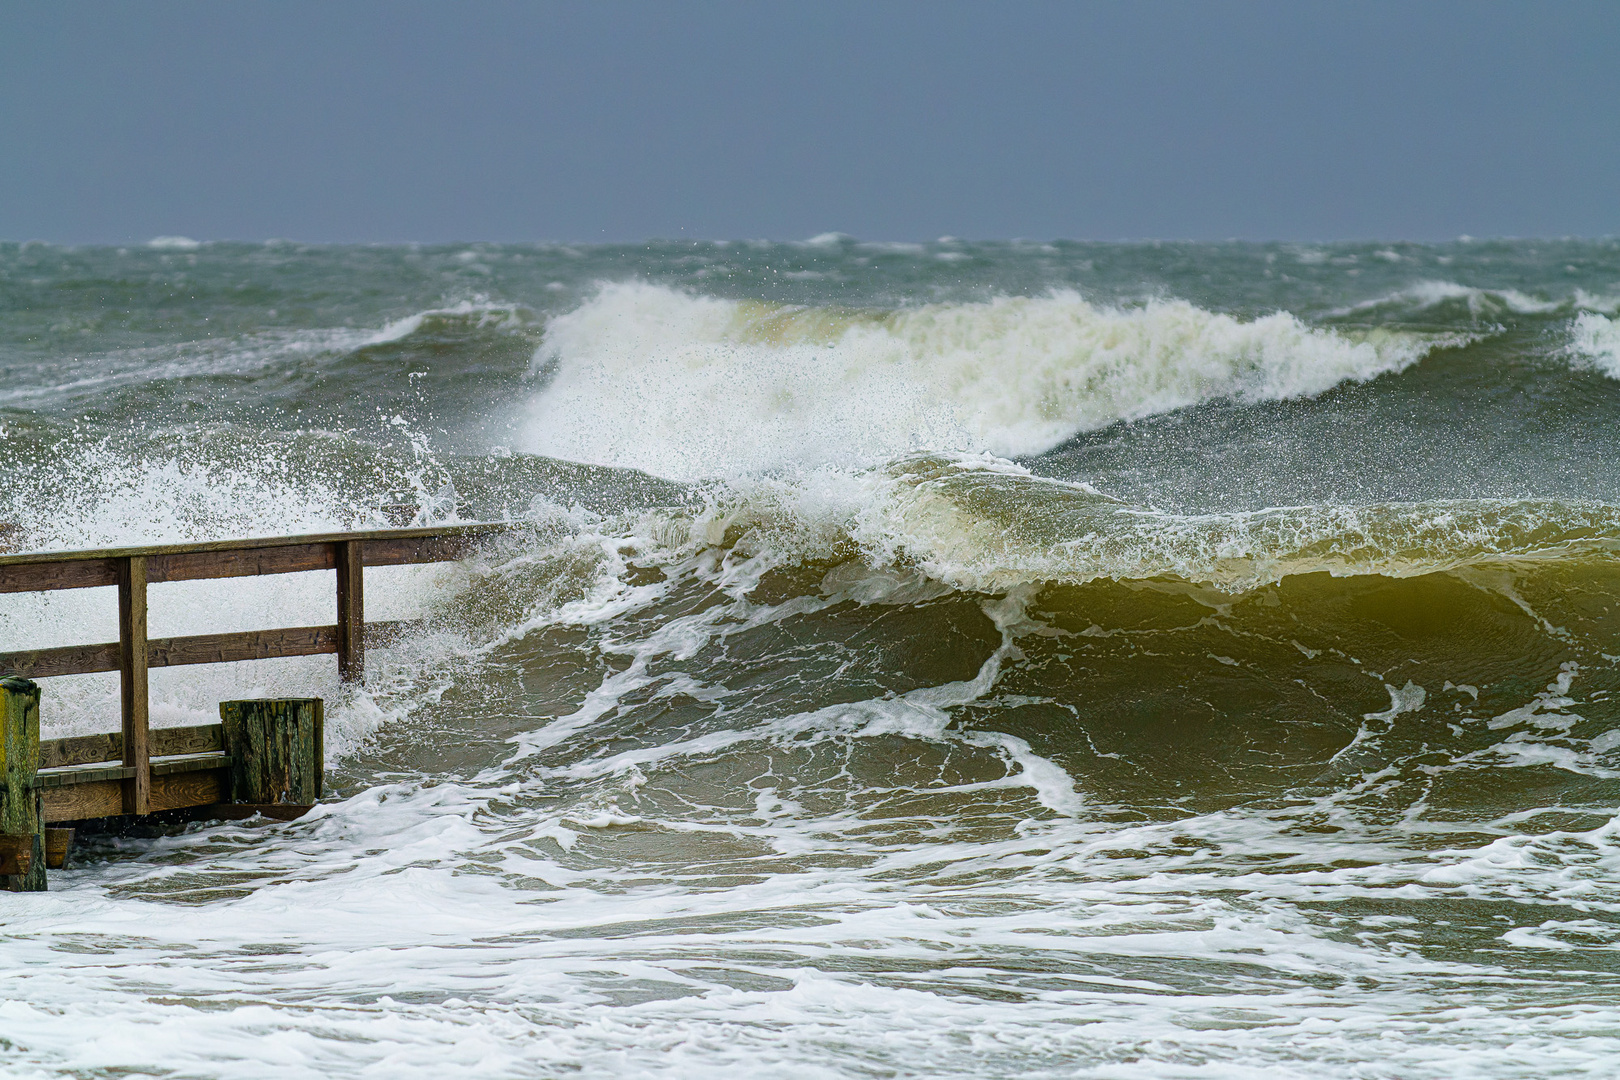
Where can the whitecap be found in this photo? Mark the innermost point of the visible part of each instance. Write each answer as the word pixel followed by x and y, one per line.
pixel 1595 343
pixel 688 386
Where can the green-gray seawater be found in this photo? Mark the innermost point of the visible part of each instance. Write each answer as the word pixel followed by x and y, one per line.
pixel 951 659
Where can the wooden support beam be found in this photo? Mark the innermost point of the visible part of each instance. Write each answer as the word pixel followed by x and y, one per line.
pixel 132 680
pixel 50 779
pixel 22 826
pixel 249 562
pixel 351 611
pixel 276 747
pixel 161 742
pixel 197 649
pixel 64 660
pixel 105 798
pixel 48 576
pixel 45 571
pixel 81 802
pixel 406 550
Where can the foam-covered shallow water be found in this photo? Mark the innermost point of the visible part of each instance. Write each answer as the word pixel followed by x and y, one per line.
pixel 913 660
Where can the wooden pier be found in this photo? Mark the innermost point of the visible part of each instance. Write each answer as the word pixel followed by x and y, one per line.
pixel 263 757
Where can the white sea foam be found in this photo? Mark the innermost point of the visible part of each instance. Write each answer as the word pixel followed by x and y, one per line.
pixel 1595 342
pixel 690 386
pixel 116 500
pixel 983 523
pixel 635 899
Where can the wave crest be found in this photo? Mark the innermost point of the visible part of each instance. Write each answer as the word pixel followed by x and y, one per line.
pixel 1434 297
pixel 1595 341
pixel 985 524
pixel 691 386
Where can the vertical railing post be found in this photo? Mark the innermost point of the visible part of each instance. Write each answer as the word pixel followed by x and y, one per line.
pixel 351 611
pixel 132 679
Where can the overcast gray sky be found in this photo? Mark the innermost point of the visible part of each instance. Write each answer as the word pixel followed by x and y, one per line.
pixel 368 121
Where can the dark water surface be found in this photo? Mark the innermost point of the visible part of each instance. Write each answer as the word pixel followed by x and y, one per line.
pixel 955 659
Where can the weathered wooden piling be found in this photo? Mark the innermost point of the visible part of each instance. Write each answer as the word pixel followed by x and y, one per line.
pixel 22 822
pixel 276 747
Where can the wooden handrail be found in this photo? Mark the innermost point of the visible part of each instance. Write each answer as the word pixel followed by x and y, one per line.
pixel 133 569
pixel 44 571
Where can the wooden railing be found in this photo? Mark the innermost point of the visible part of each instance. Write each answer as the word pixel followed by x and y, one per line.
pixel 129 784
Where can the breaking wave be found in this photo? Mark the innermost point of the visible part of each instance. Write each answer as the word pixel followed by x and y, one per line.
pixel 1448 298
pixel 1595 340
pixel 689 386
pixel 985 524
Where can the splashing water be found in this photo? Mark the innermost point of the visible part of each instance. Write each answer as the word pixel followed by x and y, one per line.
pixel 914 660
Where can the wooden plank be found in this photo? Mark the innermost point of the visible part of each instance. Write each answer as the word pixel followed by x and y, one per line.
pixel 162 742
pixel 244 645
pixel 403 551
pixel 191 763
pixel 82 774
pixel 199 649
pixel 202 739
pixel 189 789
pixel 66 660
pixel 80 802
pixel 83 749
pixel 46 576
pixel 247 562
pixel 132 681
pixel 351 611
pixel 42 571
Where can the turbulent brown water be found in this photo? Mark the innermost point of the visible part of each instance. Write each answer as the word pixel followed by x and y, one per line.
pixel 913 660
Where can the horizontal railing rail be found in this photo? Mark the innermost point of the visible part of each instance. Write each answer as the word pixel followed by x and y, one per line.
pixel 133 569
pixel 44 571
pixel 198 649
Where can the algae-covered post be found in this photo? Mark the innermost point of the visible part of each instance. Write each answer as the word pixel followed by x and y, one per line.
pixel 22 825
pixel 276 750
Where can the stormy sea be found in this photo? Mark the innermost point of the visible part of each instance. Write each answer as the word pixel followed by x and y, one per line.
pixel 954 659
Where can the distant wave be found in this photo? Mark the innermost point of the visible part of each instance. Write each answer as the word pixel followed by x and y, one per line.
pixel 253 353
pixel 688 386
pixel 469 314
pixel 1430 295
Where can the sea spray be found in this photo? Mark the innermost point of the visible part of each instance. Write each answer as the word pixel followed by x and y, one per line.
pixel 689 386
pixel 1263 725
